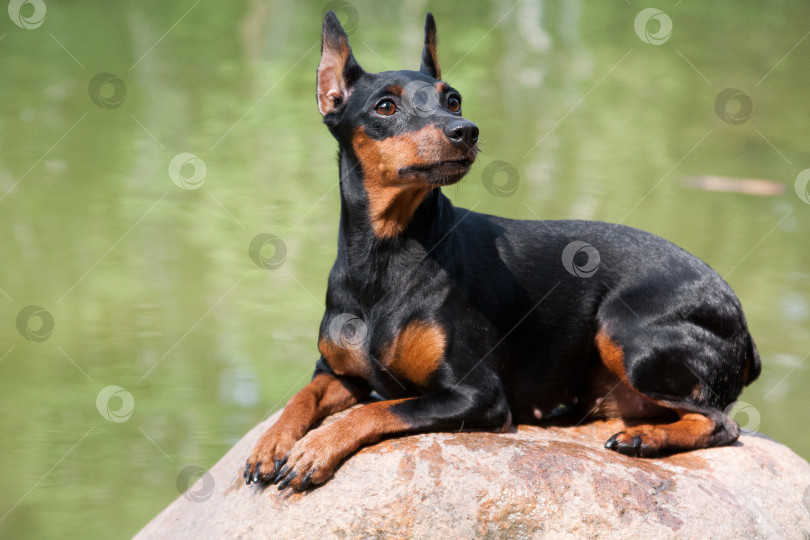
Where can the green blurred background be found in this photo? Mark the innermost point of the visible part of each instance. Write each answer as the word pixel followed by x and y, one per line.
pixel 151 286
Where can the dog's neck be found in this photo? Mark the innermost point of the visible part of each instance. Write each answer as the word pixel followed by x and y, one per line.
pixel 360 243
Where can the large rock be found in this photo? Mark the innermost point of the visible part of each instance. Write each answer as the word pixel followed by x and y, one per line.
pixel 534 482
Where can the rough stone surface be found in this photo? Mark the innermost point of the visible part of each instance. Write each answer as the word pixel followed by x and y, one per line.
pixel 532 483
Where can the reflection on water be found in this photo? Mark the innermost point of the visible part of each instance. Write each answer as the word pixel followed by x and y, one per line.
pixel 138 166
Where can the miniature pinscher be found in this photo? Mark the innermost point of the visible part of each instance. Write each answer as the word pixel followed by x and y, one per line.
pixel 463 320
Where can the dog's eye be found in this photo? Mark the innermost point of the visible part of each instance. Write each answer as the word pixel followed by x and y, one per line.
pixel 453 104
pixel 386 108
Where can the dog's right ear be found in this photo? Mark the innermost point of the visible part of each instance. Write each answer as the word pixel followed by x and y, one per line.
pixel 430 58
pixel 338 70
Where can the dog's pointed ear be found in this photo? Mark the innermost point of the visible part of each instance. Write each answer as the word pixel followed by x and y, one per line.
pixel 430 58
pixel 338 70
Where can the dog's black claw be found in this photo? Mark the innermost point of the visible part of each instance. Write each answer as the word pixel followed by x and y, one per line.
pixel 611 443
pixel 277 466
pixel 637 443
pixel 257 472
pixel 306 481
pixel 280 476
pixel 245 472
pixel 286 482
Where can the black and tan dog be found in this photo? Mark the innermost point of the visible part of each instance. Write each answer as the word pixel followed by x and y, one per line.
pixel 465 320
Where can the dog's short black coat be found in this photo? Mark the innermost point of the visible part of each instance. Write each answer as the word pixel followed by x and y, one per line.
pixel 464 320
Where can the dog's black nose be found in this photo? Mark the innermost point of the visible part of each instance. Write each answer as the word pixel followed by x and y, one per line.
pixel 462 132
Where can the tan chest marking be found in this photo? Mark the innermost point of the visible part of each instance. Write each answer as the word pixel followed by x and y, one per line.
pixel 345 360
pixel 417 352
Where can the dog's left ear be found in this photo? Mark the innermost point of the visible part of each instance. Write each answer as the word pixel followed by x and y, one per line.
pixel 338 70
pixel 430 59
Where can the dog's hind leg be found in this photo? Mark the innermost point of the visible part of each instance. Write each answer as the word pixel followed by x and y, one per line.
pixel 669 382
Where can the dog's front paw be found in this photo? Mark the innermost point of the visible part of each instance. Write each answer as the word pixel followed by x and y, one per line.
pixel 312 460
pixel 642 441
pixel 268 456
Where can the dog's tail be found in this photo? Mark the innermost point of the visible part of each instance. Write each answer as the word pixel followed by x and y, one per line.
pixel 753 364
